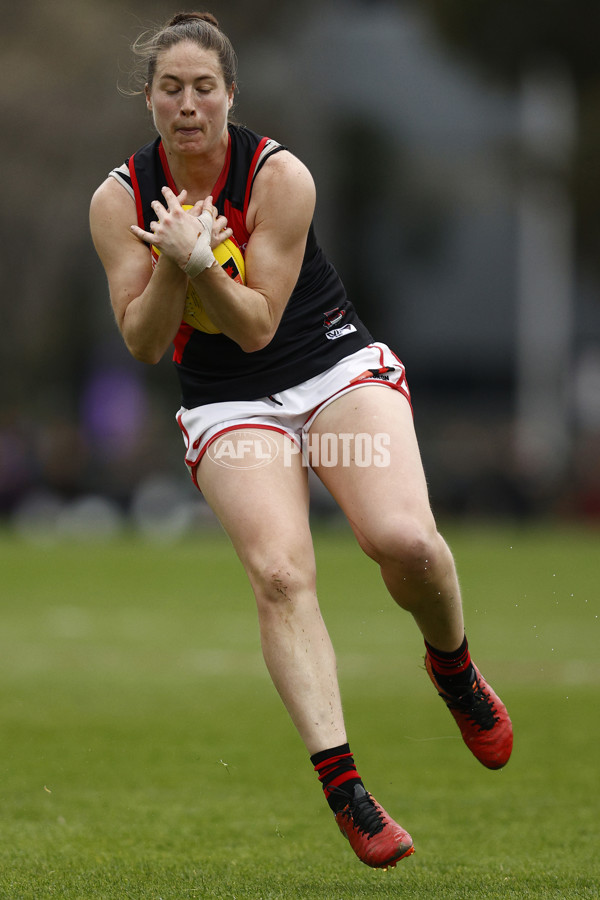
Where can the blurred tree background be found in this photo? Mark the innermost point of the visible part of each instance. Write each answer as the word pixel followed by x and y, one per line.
pixel 455 149
pixel 505 39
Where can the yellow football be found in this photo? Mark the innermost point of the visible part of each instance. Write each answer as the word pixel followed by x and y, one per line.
pixel 230 257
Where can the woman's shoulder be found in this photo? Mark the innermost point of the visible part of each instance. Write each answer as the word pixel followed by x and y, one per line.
pixel 287 167
pixel 244 140
pixel 112 207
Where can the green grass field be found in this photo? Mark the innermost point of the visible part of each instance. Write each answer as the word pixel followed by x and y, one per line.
pixel 145 753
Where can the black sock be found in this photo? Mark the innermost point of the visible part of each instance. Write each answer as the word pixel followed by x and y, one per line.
pixel 453 671
pixel 337 774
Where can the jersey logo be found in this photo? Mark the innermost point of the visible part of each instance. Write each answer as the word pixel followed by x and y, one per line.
pixel 340 332
pixel 333 317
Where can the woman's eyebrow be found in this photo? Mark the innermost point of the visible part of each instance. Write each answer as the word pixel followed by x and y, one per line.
pixel 166 75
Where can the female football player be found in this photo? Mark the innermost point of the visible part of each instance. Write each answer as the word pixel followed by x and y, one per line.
pixel 276 373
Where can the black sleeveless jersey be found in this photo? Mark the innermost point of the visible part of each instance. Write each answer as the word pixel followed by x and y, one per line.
pixel 319 325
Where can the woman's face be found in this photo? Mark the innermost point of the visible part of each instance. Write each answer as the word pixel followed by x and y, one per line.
pixel 189 99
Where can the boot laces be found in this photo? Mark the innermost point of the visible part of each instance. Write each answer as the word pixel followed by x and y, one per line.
pixel 477 705
pixel 365 814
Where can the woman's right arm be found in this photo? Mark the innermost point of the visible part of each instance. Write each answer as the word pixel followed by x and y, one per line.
pixel 148 305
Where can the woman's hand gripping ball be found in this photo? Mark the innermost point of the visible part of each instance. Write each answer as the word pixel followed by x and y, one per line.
pixel 185 234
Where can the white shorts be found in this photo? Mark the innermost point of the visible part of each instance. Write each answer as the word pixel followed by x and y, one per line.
pixel 291 412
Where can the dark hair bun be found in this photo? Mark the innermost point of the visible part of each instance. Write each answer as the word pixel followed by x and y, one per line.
pixel 184 18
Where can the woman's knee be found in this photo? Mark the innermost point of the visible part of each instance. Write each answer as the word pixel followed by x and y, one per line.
pixel 406 544
pixel 279 580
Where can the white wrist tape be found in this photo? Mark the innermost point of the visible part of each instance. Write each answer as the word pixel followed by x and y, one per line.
pixel 201 257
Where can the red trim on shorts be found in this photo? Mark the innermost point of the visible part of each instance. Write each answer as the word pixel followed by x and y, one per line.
pixel 194 466
pixel 186 436
pixel 355 384
pixel 398 358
